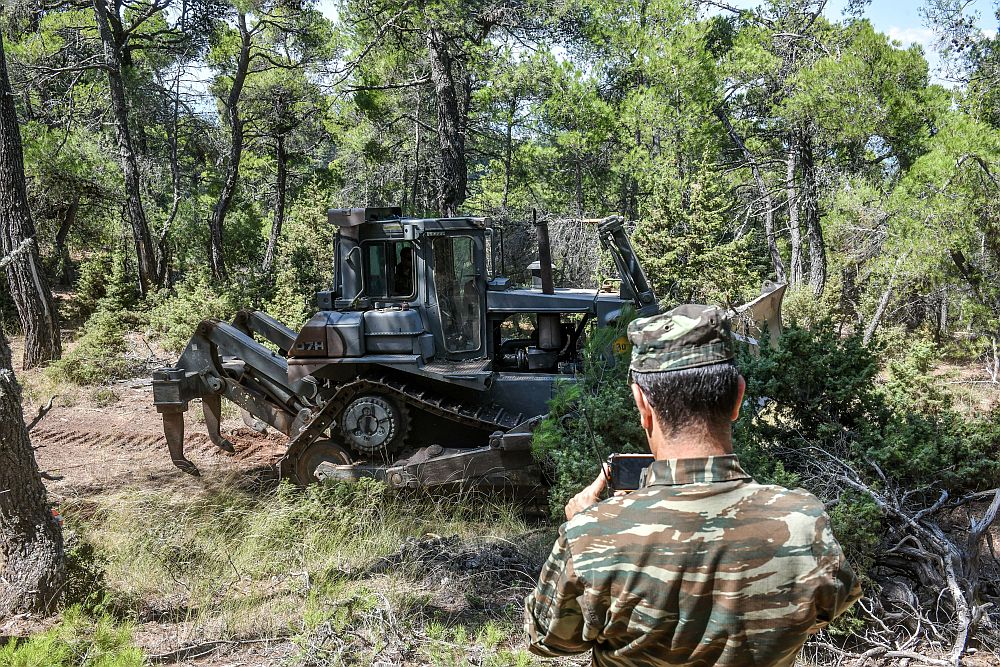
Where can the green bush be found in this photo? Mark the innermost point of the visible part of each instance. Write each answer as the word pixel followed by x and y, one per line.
pixel 173 316
pixel 820 393
pixel 588 419
pixel 105 282
pixel 824 392
pixel 304 258
pixel 100 354
pixel 803 308
pixel 92 285
pixel 79 640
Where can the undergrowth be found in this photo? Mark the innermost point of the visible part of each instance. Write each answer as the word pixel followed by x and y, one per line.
pixel 233 562
pixel 79 640
pixel 101 353
pixel 588 419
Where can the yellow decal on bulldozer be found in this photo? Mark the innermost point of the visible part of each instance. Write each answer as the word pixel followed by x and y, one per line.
pixel 621 346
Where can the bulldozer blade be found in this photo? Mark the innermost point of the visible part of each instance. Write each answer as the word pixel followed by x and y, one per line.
pixel 173 428
pixel 212 406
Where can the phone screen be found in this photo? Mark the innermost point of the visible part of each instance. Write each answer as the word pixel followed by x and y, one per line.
pixel 626 470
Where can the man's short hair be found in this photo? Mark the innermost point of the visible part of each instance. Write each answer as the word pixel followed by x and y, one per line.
pixel 680 398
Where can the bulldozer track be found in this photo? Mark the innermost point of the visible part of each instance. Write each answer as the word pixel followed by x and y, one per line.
pixel 486 417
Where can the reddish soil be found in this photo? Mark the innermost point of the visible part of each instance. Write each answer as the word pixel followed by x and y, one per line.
pixel 95 449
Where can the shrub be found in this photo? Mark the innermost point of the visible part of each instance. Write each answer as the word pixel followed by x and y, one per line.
pixel 78 641
pixel 304 259
pixel 100 354
pixel 174 316
pixel 104 282
pixel 803 308
pixel 589 418
pixel 289 305
pixel 92 284
pixel 820 393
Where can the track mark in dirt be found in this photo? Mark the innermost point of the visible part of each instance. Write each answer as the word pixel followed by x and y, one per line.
pixel 98 450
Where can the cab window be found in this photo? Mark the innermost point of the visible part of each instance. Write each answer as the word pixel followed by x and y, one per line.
pixel 389 270
pixel 456 281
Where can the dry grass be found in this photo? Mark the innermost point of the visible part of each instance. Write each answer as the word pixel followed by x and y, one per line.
pixel 348 573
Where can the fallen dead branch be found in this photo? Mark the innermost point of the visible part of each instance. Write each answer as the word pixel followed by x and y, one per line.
pixel 930 601
pixel 40 415
pixel 201 649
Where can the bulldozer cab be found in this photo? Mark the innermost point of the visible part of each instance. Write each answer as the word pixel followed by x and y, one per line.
pixel 434 266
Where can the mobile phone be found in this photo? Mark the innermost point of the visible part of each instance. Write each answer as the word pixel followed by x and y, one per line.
pixel 627 471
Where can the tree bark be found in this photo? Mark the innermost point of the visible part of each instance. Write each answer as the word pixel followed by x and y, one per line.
pixel 794 226
pixel 883 303
pixel 28 285
pixel 281 186
pixel 146 262
pixel 451 134
pixel 173 139
pixel 32 567
pixel 416 153
pixel 217 257
pixel 810 210
pixel 765 196
pixel 69 217
pixel 508 154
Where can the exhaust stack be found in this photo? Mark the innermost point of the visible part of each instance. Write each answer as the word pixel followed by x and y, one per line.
pixel 549 329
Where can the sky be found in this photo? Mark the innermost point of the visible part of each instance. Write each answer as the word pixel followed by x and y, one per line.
pixel 899 19
pixel 903 22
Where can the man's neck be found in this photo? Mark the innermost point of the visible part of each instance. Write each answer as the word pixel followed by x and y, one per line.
pixel 691 443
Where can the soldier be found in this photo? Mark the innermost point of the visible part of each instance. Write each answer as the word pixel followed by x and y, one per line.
pixel 702 566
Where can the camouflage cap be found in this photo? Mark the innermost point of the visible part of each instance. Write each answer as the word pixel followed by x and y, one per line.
pixel 688 336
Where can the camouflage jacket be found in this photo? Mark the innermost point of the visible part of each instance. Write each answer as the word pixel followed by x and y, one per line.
pixel 702 566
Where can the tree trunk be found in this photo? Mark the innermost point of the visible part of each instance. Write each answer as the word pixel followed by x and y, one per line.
pixel 578 177
pixel 32 568
pixel 794 227
pixel 416 154
pixel 883 303
pixel 69 217
pixel 28 285
pixel 281 185
pixel 451 135
pixel 810 210
pixel 217 256
pixel 145 261
pixel 173 139
pixel 508 154
pixel 765 196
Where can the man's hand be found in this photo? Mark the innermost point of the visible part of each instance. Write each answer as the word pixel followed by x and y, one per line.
pixel 589 496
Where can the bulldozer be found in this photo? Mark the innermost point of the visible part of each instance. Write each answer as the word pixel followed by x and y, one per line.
pixel 424 367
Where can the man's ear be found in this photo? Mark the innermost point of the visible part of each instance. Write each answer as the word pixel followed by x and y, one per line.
pixel 739 399
pixel 645 409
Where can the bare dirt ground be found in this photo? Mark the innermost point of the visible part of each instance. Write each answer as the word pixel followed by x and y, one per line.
pixel 95 449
